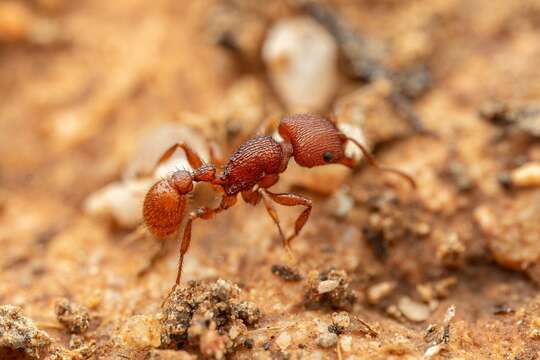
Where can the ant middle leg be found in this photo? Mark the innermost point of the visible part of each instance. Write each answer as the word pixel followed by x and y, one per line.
pixel 273 214
pixel 291 199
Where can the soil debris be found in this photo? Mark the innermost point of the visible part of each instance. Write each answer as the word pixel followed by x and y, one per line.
pixel 450 250
pixel 210 317
pixel 512 230
pixel 20 337
pixel 439 337
pixel 329 289
pixel 325 337
pixel 141 332
pixel 341 322
pixel 72 316
pixel 286 273
pixel 524 117
pixel 390 222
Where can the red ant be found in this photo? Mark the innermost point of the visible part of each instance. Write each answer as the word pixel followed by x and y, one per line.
pixel 312 140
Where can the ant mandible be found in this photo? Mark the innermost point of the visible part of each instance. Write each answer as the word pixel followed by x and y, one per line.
pixel 312 140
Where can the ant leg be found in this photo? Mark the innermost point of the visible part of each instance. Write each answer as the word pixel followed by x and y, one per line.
pixel 266 125
pixel 290 199
pixel 251 197
pixel 268 181
pixel 273 214
pixel 194 160
pixel 216 157
pixel 201 213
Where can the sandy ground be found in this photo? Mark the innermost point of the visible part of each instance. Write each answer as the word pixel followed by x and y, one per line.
pixel 81 83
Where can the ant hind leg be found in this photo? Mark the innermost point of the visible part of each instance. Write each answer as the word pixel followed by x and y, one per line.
pixel 291 199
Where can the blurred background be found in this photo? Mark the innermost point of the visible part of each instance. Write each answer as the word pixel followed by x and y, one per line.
pixel 92 92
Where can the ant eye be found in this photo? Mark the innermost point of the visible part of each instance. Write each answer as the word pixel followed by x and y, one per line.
pixel 327 156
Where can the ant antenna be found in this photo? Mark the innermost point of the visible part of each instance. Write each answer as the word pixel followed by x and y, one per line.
pixel 374 163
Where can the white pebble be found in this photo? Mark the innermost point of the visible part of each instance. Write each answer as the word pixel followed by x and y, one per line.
pixel 327 286
pixel 301 57
pixel 120 201
pixel 413 310
pixel 346 343
pixel 283 340
pixel 379 291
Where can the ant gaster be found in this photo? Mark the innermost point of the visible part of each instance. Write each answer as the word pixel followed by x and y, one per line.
pixel 312 140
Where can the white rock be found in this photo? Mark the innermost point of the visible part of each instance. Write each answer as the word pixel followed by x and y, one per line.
pixel 159 139
pixel 327 286
pixel 379 291
pixel 301 57
pixel 283 340
pixel 413 310
pixel 120 201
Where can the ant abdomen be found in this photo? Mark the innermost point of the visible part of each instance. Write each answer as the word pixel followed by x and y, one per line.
pixel 165 204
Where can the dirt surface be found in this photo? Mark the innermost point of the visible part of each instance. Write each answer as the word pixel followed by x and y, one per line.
pixel 380 268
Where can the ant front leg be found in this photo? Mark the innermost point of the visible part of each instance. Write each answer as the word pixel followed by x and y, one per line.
pixel 290 199
pixel 193 158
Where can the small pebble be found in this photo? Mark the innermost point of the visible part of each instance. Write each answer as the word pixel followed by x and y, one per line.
pixel 346 343
pixel 327 339
pixel 413 310
pixel 327 286
pixel 283 340
pixel 301 57
pixel 527 175
pixel 141 331
pixel 341 204
pixel 120 201
pixel 379 291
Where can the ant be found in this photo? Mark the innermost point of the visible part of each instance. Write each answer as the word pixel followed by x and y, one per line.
pixel 312 140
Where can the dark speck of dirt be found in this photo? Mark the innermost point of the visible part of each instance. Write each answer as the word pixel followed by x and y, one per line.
pixel 502 309
pixel 248 344
pixel 286 273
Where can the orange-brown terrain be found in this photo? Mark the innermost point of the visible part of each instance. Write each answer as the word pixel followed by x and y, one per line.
pixel 92 92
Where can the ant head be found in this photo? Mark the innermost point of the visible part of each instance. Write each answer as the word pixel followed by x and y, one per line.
pixel 315 139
